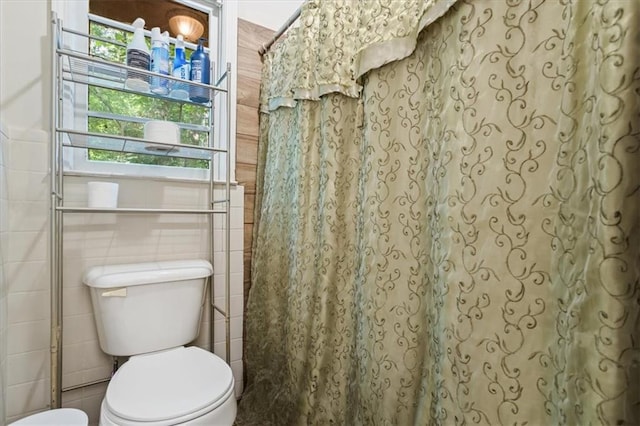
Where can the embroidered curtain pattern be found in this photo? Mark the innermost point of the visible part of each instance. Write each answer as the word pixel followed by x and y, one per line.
pixel 461 244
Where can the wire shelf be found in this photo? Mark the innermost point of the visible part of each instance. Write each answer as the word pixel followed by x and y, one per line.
pixel 124 144
pixel 90 70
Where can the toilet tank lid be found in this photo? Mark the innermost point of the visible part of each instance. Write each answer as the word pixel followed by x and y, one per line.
pixel 112 276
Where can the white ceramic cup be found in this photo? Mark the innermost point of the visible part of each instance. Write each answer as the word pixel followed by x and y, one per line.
pixel 102 195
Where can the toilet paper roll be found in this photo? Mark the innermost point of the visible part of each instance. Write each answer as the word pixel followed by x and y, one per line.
pixel 161 131
pixel 102 195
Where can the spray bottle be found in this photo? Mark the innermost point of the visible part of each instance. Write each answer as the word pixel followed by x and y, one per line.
pixel 200 73
pixel 159 61
pixel 181 70
pixel 138 57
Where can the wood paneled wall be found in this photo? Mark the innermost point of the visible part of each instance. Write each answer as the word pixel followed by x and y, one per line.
pixel 250 38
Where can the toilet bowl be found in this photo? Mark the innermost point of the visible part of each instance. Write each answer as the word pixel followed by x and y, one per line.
pixel 149 312
pixel 57 417
pixel 177 386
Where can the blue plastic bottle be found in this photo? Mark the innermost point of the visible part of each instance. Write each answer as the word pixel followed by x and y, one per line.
pixel 200 72
pixel 159 60
pixel 181 69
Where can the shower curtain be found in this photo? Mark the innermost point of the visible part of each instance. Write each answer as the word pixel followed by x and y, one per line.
pixel 448 216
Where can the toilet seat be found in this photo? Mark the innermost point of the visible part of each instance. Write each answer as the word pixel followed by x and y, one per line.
pixel 171 386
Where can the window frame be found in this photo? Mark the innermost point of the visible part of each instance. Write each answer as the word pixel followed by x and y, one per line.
pixel 222 26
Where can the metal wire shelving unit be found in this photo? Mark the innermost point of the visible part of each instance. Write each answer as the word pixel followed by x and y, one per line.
pixel 72 69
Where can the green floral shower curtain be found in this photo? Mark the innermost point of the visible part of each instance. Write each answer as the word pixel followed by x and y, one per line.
pixel 452 237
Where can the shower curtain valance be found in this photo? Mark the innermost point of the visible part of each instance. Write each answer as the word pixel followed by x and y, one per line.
pixel 338 41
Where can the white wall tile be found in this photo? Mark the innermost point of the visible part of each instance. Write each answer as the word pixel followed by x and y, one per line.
pixel 74 268
pixel 181 240
pixel 95 244
pixel 4 223
pixel 28 215
pixel 27 397
pixel 4 217
pixel 91 406
pixel 87 399
pixel 220 350
pixel 27 337
pixel 3 369
pixel 79 329
pixel 28 186
pixel 4 246
pixel 236 262
pixel 100 372
pixel 31 134
pixel 203 337
pixel 236 303
pixel 84 362
pixel 28 306
pixel 28 156
pixel 77 301
pixel 4 184
pixel 236 239
pixel 183 194
pixel 27 367
pixel 236 367
pixel 72 364
pixel 236 349
pixel 27 246
pixel 236 219
pixel 27 276
pixel 237 197
pixel 235 284
pixel 237 325
pixel 71 396
pixel 239 388
pixel 219 331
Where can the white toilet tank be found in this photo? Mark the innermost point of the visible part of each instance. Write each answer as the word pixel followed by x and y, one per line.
pixel 146 307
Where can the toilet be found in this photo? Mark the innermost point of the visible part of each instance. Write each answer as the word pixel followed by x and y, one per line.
pixel 57 417
pixel 150 312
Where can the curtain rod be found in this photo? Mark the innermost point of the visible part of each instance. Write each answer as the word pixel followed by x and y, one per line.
pixel 265 47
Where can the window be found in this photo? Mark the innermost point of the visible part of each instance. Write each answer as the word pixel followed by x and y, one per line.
pixel 115 112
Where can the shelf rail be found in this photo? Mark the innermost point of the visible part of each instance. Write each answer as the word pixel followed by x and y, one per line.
pixel 54 223
pixel 119 210
pixel 227 234
pixel 121 71
pixel 119 143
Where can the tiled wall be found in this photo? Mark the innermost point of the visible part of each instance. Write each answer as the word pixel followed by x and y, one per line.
pixel 26 273
pixel 3 283
pixel 90 240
